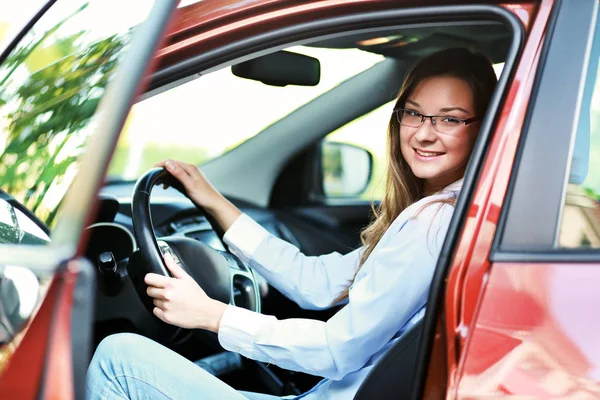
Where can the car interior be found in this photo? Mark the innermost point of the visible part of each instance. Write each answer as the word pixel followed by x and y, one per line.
pixel 281 176
pixel 282 189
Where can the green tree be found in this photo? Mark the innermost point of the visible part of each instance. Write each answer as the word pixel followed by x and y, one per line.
pixel 47 115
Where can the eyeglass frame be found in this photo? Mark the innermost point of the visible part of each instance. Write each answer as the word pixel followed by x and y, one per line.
pixel 464 121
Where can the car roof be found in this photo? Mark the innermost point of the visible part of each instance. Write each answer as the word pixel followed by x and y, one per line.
pixel 213 20
pixel 202 12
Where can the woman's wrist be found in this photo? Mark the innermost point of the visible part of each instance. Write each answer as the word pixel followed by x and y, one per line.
pixel 224 212
pixel 211 201
pixel 214 312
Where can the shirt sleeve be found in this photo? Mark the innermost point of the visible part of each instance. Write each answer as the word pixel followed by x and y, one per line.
pixel 312 282
pixel 391 286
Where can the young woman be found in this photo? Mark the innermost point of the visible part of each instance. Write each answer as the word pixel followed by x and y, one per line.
pixel 385 283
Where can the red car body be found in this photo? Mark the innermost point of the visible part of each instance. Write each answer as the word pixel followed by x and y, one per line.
pixel 507 329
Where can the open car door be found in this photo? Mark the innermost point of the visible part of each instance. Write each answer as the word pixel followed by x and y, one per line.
pixel 66 86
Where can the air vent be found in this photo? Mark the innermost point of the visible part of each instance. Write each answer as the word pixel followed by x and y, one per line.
pixel 187 223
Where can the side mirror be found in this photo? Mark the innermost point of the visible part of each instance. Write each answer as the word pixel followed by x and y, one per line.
pixel 346 169
pixel 281 68
pixel 19 292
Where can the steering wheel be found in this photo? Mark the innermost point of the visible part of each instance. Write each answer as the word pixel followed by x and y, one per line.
pixel 220 274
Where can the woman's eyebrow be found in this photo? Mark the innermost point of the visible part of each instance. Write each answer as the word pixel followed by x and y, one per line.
pixel 448 109
pixel 414 103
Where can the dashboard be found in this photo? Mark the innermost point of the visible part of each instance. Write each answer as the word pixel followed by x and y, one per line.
pixel 313 230
pixel 172 215
pixel 112 248
pixel 175 214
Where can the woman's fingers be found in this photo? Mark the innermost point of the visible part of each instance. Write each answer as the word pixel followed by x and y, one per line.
pixel 156 280
pixel 155 292
pixel 197 187
pixel 159 303
pixel 175 268
pixel 191 169
pixel 160 313
pixel 181 174
pixel 163 164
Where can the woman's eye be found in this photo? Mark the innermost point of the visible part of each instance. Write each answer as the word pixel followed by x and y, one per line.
pixel 412 113
pixel 451 120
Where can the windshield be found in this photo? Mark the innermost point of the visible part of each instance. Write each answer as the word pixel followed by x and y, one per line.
pixel 202 119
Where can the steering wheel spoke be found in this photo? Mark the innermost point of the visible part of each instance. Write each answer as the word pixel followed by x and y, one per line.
pixel 244 288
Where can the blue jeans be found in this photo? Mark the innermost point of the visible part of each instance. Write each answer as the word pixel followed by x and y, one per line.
pixel 129 366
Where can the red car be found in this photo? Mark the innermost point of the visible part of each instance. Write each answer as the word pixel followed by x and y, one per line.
pixel 288 96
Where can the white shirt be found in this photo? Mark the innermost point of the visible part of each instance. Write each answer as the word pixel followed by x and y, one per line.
pixel 388 294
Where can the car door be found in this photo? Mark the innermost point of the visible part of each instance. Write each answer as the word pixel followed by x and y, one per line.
pixel 66 84
pixel 522 288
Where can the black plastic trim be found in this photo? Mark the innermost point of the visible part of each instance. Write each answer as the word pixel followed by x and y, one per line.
pixel 319 28
pixel 547 257
pixel 438 285
pixel 25 30
pixel 82 320
pixel 544 151
pixel 16 204
pixel 519 151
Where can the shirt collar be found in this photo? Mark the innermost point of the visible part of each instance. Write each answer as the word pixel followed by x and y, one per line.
pixel 454 186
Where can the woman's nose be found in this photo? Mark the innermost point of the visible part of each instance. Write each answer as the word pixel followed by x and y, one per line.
pixel 426 132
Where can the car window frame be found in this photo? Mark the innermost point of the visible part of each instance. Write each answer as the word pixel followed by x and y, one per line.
pixel 79 202
pixel 435 300
pixel 528 230
pixel 20 34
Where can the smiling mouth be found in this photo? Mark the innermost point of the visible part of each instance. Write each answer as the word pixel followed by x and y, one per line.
pixel 428 154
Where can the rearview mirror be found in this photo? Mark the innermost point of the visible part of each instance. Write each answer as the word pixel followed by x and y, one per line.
pixel 281 68
pixel 346 169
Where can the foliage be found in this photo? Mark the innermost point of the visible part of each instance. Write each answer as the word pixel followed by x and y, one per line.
pixel 46 116
pixel 332 161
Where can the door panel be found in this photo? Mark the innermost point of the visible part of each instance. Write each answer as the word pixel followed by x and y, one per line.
pixel 533 336
pixel 520 314
pixel 24 367
pixel 325 229
pixel 65 88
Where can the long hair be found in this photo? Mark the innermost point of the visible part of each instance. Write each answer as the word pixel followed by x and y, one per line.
pixel 402 187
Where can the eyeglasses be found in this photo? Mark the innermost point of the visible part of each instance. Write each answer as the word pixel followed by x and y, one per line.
pixel 441 123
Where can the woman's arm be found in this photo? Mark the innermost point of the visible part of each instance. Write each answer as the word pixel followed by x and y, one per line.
pixel 202 193
pixel 392 285
pixel 312 282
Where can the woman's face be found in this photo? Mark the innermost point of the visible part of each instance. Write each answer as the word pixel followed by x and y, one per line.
pixel 439 158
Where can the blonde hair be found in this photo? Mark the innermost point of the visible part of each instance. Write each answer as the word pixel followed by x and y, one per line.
pixel 402 187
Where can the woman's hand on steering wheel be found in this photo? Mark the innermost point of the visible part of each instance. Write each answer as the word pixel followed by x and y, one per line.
pixel 202 192
pixel 198 188
pixel 180 301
